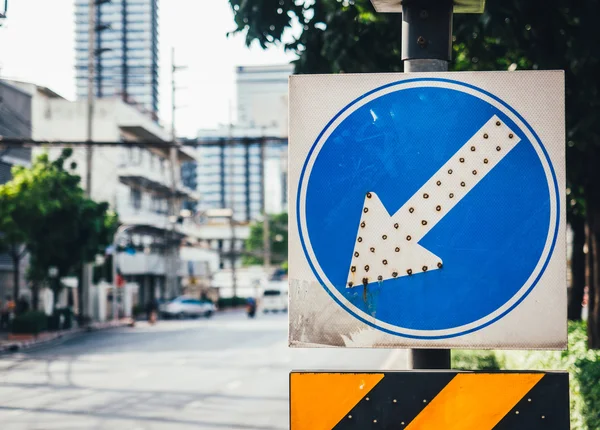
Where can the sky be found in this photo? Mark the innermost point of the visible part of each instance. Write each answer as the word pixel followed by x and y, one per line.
pixel 37 45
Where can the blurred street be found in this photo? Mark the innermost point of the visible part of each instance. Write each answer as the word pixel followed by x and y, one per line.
pixel 227 372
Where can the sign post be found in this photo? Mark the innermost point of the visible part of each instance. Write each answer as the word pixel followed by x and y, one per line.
pixel 427 212
pixel 427 47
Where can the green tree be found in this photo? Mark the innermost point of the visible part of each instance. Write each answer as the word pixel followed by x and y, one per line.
pixel 12 237
pixel 61 227
pixel 278 233
pixel 348 36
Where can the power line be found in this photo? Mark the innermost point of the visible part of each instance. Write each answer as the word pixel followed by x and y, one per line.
pixel 27 142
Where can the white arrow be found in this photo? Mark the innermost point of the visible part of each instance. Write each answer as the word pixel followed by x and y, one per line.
pixel 387 246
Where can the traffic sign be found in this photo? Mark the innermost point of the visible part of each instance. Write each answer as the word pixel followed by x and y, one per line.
pixel 429 400
pixel 428 210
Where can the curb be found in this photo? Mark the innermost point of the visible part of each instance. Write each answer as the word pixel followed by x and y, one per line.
pixel 15 346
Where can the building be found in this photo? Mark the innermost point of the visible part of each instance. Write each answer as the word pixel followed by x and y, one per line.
pixel 189 178
pixel 230 175
pixel 15 121
pixel 126 63
pixel 262 98
pixel 134 180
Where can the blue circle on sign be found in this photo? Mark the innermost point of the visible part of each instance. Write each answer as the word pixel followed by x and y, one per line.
pixel 495 243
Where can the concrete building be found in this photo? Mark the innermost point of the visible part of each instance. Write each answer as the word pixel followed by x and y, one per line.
pixel 126 51
pixel 262 98
pixel 15 121
pixel 229 176
pixel 134 180
pixel 189 177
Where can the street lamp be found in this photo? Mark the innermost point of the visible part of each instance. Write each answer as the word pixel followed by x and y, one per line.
pixel 53 275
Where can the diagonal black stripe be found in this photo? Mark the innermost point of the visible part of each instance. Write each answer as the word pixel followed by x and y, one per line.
pixel 545 407
pixel 395 401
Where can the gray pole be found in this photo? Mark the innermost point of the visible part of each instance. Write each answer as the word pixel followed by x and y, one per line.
pixel 427 47
pixel 171 246
pixel 90 94
pixel 231 205
pixel 266 221
pixel 87 268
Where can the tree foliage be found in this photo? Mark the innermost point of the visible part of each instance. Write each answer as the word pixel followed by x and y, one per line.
pixel 332 36
pixel 49 212
pixel 278 233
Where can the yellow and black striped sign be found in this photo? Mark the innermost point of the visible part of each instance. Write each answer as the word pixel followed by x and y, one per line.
pixel 442 400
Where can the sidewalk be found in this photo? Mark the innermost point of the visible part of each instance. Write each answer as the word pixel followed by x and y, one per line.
pixel 18 345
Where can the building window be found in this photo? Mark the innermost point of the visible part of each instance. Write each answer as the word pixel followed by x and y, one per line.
pixel 136 198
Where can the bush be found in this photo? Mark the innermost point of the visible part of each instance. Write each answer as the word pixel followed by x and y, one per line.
pixel 231 302
pixel 33 322
pixel 138 310
pixel 475 360
pixel 61 319
pixel 582 364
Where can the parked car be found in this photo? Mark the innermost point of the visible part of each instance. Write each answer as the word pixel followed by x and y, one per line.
pixel 185 307
pixel 275 297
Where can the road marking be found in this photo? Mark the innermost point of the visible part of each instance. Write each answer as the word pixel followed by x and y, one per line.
pixel 195 404
pixel 387 246
pixel 233 385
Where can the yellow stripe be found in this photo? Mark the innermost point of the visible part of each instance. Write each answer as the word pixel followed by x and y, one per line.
pixel 320 400
pixel 475 401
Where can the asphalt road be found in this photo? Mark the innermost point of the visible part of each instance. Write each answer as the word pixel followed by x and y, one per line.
pixel 228 372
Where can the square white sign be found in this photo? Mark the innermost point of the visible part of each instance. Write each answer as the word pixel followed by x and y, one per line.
pixel 428 210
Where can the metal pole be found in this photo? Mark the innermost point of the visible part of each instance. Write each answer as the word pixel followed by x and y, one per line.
pixel 266 221
pixel 231 205
pixel 427 47
pixel 114 274
pixel 172 248
pixel 87 267
pixel 90 93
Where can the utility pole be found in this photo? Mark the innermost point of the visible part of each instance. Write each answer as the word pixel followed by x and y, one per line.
pixel 172 245
pixel 86 276
pixel 427 47
pixel 266 221
pixel 231 205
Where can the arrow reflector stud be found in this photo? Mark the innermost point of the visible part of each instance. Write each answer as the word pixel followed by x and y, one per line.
pixel 387 246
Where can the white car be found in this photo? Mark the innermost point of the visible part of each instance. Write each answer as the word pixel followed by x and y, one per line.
pixel 275 297
pixel 183 307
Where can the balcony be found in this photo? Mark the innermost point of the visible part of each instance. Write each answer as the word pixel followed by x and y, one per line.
pixel 141 176
pixel 152 179
pixel 141 263
pixel 131 216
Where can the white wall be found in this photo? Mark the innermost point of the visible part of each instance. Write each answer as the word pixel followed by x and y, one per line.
pixel 187 253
